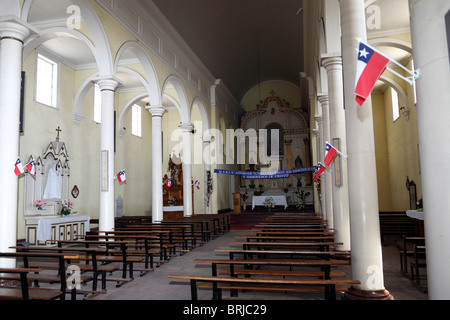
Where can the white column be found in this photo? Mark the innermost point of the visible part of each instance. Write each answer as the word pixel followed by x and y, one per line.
pixel 341 215
pixel 207 167
pixel 327 179
pixel 320 156
pixel 431 56
pixel 186 129
pixel 157 188
pixel 106 217
pixel 366 254
pixel 12 35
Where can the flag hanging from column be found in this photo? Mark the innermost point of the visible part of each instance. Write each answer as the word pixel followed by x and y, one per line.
pixel 197 184
pixel 18 167
pixel 331 153
pixel 121 177
pixel 321 168
pixel 370 66
pixel 168 182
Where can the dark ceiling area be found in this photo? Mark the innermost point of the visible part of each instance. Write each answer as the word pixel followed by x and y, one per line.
pixel 241 42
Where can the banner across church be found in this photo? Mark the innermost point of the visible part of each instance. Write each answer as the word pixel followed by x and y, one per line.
pixel 265 174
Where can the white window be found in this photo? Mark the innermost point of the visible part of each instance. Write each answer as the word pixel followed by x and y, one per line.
pixel 47 81
pixel 97 104
pixel 395 105
pixel 136 121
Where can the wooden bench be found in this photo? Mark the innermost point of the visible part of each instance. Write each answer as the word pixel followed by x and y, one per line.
pixel 246 245
pixel 248 254
pixel 97 270
pixel 287 238
pixel 234 283
pixel 126 261
pixel 24 292
pixel 60 257
pixel 418 262
pixel 406 249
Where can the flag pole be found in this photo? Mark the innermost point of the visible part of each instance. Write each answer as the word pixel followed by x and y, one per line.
pixel 414 74
pixel 343 155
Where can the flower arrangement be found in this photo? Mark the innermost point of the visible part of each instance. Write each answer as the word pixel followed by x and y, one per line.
pixel 39 204
pixel 269 203
pixel 67 207
pixel 172 201
pixel 302 195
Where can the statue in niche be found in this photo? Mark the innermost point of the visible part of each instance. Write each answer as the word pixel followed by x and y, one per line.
pixel 53 186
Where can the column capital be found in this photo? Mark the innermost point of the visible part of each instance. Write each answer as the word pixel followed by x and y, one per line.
pixel 186 127
pixel 107 83
pixel 331 61
pixel 323 99
pixel 14 28
pixel 156 111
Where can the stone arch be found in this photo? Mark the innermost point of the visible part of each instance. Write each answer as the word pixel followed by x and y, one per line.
pixel 102 52
pixel 203 113
pixel 184 108
pixel 151 84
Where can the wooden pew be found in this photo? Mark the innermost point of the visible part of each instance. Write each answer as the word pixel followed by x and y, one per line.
pixel 406 250
pixel 234 283
pixel 24 292
pixel 418 262
pixel 60 257
pixel 287 238
pixel 127 262
pixel 96 269
pixel 246 245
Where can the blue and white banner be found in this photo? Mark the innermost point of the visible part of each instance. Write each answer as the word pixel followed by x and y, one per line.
pixel 265 174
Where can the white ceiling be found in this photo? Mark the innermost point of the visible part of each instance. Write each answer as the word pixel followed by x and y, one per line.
pixel 241 42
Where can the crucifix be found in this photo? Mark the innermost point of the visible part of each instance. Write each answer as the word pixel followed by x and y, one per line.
pixel 58 131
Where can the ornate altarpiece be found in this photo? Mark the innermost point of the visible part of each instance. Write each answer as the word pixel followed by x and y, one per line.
pixel 274 113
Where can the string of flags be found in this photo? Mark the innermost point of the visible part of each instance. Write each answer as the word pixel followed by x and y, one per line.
pixel 330 155
pixel 371 65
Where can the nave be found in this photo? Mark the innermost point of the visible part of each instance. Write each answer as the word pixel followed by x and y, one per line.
pixel 156 284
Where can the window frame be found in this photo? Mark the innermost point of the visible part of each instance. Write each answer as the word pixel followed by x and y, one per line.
pixel 56 77
pixel 133 120
pixel 97 102
pixel 396 100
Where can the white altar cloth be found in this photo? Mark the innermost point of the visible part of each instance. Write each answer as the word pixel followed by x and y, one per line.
pixel 259 201
pixel 415 214
pixel 173 208
pixel 44 229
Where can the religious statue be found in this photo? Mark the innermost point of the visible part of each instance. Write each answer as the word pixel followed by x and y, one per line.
pixel 53 186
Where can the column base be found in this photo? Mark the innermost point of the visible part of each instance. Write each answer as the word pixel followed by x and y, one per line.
pixel 358 294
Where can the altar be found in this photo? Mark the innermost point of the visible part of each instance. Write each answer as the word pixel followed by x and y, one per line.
pixel 278 200
pixel 60 228
pixel 173 212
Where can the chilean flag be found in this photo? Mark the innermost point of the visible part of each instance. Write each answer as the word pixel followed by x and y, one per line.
pixel 320 170
pixel 330 154
pixel 197 184
pixel 168 183
pixel 121 176
pixel 31 167
pixel 370 66
pixel 18 167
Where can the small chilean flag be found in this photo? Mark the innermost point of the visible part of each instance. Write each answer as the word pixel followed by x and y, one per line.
pixel 18 167
pixel 121 176
pixel 320 170
pixel 197 184
pixel 330 154
pixel 31 167
pixel 168 183
pixel 370 66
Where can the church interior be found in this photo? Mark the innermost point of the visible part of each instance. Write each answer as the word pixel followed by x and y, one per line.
pixel 124 123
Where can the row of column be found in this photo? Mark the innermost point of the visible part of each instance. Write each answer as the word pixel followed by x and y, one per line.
pixel 13 33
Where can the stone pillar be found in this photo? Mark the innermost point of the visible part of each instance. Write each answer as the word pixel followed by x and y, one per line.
pixel 327 179
pixel 186 129
pixel 12 36
pixel 341 215
pixel 106 217
pixel 431 56
pixel 366 254
pixel 320 156
pixel 157 184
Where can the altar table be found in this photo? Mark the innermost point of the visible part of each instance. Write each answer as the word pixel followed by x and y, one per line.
pixel 279 201
pixel 62 228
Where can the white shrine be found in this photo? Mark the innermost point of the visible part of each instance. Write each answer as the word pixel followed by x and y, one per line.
pixel 51 184
pixel 292 126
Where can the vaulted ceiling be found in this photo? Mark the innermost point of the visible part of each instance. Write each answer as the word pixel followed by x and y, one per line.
pixel 241 42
